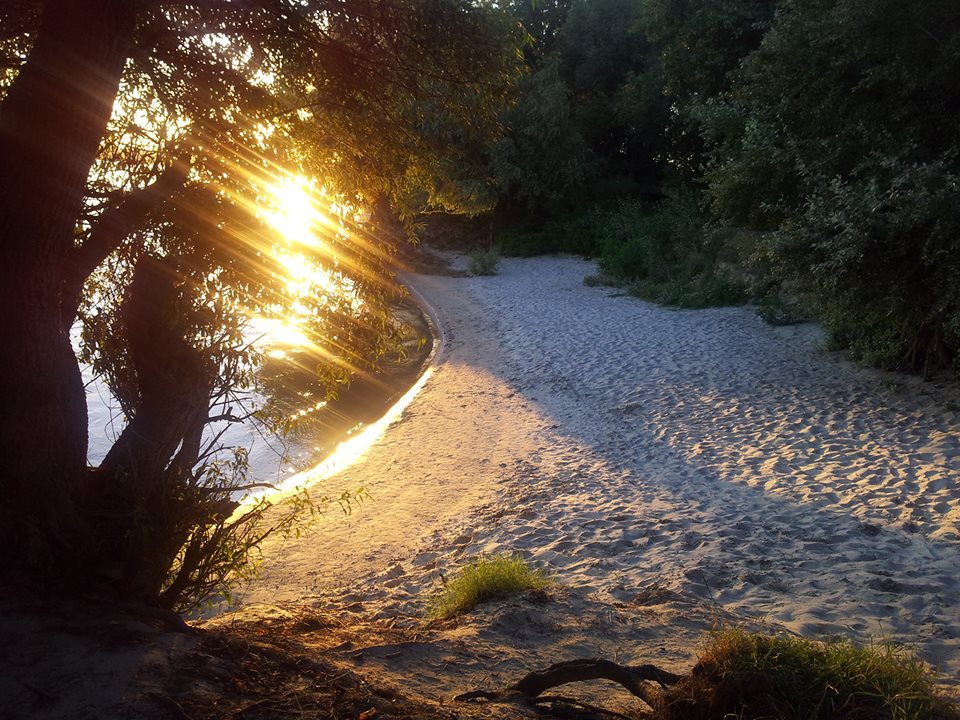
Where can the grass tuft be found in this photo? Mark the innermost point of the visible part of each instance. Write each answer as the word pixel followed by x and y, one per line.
pixel 484 579
pixel 483 262
pixel 756 677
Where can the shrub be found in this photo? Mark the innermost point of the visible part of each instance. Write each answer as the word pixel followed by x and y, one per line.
pixel 598 281
pixel 668 256
pixel 483 262
pixel 753 676
pixel 484 579
pixel 776 308
pixel 859 192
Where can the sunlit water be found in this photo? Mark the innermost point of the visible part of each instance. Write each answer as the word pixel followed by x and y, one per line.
pixel 339 434
pixel 303 215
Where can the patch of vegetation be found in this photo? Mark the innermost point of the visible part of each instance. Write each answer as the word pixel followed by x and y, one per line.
pixel 668 256
pixel 483 262
pixel 576 233
pixel 697 292
pixel 775 309
pixel 598 281
pixel 484 579
pixel 757 677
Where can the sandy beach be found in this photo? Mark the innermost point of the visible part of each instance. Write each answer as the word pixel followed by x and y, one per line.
pixel 670 468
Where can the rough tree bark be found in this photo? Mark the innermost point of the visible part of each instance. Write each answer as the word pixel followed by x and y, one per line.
pixel 51 124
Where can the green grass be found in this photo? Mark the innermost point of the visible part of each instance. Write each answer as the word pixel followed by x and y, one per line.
pixel 696 292
pixel 759 677
pixel 484 579
pixel 483 262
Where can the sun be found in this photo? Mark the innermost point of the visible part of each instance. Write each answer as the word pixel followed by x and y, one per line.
pixel 296 214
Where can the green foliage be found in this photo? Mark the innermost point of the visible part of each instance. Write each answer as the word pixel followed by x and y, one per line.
pixel 777 310
pixel 577 233
pixel 483 262
pixel 592 108
pixel 699 43
pixel 542 157
pixel 666 254
pixel 542 20
pixel 484 579
pixel 759 677
pixel 619 107
pixel 697 46
pixel 861 188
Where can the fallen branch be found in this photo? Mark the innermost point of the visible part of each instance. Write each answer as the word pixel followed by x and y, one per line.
pixel 532 685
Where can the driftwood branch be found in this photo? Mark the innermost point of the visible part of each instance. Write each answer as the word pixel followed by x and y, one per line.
pixel 633 678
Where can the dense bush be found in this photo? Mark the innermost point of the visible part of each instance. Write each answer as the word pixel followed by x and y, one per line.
pixel 841 137
pixel 668 255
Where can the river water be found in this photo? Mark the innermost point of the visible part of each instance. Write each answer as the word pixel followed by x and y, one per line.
pixel 273 459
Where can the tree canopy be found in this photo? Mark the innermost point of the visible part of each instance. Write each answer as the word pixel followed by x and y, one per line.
pixel 814 144
pixel 142 145
pixel 840 137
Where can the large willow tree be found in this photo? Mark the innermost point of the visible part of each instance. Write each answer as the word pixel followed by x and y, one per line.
pixel 138 140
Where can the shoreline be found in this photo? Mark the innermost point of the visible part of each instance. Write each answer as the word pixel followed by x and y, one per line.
pixel 357 418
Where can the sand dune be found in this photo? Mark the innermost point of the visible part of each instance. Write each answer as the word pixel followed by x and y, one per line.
pixel 647 454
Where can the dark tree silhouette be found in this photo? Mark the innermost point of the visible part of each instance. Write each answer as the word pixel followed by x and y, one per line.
pixel 373 92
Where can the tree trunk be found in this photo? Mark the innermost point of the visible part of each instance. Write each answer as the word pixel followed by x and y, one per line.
pixel 51 125
pixel 141 491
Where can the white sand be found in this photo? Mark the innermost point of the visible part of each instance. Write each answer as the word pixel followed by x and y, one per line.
pixel 631 448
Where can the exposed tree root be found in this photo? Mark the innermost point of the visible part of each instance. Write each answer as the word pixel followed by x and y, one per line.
pixel 530 688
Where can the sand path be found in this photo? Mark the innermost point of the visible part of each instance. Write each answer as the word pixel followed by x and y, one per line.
pixel 637 450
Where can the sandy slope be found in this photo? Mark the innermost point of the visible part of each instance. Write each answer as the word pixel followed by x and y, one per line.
pixel 644 454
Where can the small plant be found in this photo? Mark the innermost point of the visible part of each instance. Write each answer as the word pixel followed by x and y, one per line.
pixel 484 579
pixel 776 310
pixel 754 676
pixel 599 281
pixel 483 262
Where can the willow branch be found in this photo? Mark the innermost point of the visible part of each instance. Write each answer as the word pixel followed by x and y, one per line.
pixel 114 226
